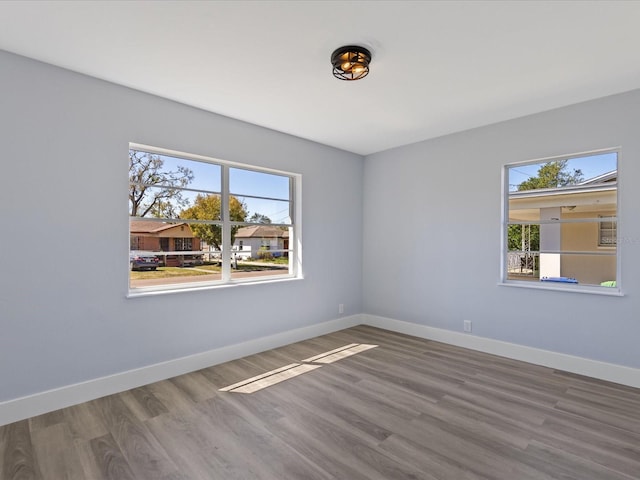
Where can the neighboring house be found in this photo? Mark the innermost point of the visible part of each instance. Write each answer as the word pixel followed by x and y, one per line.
pixel 594 242
pixel 250 241
pixel 165 237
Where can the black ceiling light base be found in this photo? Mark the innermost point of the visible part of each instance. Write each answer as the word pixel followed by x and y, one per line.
pixel 350 62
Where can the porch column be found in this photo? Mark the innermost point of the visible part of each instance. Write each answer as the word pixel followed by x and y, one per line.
pixel 550 238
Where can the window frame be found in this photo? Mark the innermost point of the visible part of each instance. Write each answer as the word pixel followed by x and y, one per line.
pixel 295 227
pixel 504 279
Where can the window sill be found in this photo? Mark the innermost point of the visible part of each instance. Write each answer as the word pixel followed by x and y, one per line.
pixel 171 289
pixel 592 290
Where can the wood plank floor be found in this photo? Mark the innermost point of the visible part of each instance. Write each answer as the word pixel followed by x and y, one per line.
pixel 406 409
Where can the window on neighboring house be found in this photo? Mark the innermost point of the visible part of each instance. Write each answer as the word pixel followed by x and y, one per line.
pixel 608 234
pixel 210 208
pixel 184 244
pixel 559 213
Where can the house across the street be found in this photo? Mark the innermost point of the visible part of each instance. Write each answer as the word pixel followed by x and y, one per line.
pixel 177 238
pixel 261 242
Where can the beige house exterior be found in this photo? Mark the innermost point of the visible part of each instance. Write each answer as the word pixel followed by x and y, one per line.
pixel 588 247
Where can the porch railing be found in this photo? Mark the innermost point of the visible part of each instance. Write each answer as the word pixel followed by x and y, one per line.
pixel 523 263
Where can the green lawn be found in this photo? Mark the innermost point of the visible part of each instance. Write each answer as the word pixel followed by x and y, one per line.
pixel 169 272
pixel 213 267
pixel 255 267
pixel 276 260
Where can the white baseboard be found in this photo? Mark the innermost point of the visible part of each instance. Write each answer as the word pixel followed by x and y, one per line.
pixel 50 400
pixel 560 361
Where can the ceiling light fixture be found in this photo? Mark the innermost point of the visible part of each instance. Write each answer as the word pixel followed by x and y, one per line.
pixel 350 62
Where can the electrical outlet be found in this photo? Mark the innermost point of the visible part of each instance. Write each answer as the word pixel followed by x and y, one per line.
pixel 467 326
pixel 341 308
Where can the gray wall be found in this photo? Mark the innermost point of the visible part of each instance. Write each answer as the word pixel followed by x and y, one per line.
pixel 64 315
pixel 442 196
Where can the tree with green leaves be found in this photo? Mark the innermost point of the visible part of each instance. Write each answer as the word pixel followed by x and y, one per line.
pixel 153 190
pixel 207 207
pixel 553 174
pixel 524 237
pixel 259 218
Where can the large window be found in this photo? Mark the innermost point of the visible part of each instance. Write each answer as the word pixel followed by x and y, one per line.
pixel 195 221
pixel 561 223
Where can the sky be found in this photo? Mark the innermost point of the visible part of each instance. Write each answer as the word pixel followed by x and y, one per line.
pixel 241 183
pixel 248 182
pixel 591 166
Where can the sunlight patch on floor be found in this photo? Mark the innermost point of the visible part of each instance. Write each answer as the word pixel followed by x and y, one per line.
pixel 276 378
pixel 347 352
pixel 273 377
pixel 258 377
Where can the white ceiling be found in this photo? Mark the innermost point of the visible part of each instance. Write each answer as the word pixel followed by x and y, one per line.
pixel 438 66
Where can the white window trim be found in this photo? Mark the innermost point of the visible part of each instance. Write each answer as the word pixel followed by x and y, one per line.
pixel 295 258
pixel 550 286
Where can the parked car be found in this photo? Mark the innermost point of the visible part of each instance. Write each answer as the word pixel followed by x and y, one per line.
pixel 140 260
pixel 190 260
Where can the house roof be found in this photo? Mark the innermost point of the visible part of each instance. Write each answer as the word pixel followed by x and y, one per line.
pixel 605 182
pixel 594 195
pixel 607 177
pixel 151 226
pixel 262 231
